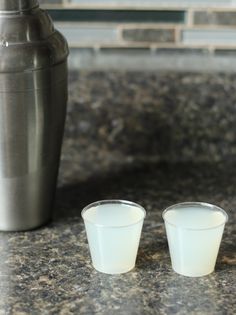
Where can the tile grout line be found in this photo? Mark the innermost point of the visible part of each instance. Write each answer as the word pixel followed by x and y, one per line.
pixel 95 6
pixel 147 25
pixel 120 30
pixel 136 25
pixel 211 50
pixel 65 3
pixel 178 35
pixel 153 46
pixel 189 19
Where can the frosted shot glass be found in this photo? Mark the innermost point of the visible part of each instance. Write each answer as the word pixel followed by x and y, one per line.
pixel 113 229
pixel 194 231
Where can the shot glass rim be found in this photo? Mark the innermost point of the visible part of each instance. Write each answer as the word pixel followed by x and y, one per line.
pixel 196 203
pixel 113 201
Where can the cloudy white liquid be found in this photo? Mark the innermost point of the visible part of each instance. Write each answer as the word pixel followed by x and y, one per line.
pixel 113 232
pixel 113 215
pixel 194 236
pixel 195 218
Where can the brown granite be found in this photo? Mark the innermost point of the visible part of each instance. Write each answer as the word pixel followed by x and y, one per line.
pixel 123 118
pixel 48 271
pixel 112 121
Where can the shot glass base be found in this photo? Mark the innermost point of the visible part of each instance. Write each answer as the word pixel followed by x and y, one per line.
pixel 192 274
pixel 113 272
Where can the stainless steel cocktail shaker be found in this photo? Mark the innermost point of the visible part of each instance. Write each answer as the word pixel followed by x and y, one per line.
pixel 33 96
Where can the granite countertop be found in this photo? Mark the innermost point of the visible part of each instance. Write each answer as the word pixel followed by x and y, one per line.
pixel 48 270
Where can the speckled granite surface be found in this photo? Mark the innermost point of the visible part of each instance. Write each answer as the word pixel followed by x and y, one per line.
pixel 48 271
pixel 122 118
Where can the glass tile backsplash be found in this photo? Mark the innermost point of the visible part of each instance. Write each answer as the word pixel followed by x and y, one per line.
pixel 127 16
pixel 122 26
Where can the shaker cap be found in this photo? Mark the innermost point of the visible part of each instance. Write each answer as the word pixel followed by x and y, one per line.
pixel 28 39
pixel 17 5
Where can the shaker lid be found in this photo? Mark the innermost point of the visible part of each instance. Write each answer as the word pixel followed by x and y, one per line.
pixel 28 39
pixel 17 5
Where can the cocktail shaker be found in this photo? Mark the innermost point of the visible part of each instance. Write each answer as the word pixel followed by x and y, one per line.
pixel 33 97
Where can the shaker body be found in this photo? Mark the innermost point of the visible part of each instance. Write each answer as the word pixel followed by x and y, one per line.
pixel 33 97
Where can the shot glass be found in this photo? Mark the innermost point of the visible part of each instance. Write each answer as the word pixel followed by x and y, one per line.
pixel 194 232
pixel 113 229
